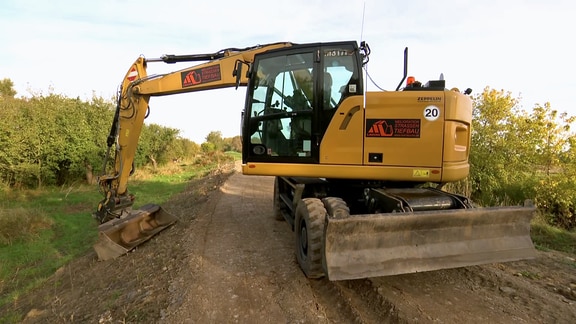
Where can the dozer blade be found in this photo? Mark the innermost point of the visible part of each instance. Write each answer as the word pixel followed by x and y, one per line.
pixel 119 236
pixel 363 246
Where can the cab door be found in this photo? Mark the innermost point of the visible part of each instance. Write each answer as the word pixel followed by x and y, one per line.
pixel 279 119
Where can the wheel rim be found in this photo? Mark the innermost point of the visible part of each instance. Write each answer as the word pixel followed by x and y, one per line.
pixel 303 240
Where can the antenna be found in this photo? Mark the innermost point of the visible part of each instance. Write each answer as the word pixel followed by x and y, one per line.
pixel 365 66
pixel 362 26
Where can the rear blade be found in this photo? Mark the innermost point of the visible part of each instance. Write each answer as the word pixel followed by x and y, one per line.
pixel 119 236
pixel 363 246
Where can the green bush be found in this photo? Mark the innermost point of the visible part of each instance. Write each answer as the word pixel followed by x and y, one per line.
pixel 557 196
pixel 518 155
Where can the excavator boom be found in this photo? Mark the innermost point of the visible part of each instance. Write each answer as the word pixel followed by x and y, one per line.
pixel 123 228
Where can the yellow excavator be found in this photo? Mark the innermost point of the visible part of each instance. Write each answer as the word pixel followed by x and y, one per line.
pixel 358 174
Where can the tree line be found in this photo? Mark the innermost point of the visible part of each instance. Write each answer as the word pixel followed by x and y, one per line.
pixel 519 154
pixel 52 140
pixel 516 154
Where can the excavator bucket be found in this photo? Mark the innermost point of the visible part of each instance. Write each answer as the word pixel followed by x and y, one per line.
pixel 363 246
pixel 119 236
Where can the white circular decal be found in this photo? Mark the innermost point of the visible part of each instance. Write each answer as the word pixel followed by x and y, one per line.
pixel 431 113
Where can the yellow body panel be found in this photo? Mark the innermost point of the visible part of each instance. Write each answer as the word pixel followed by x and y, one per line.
pixel 404 108
pixel 454 171
pixel 457 130
pixel 342 142
pixel 430 149
pixel 392 173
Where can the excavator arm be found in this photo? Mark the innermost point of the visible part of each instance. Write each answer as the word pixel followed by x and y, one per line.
pixel 121 227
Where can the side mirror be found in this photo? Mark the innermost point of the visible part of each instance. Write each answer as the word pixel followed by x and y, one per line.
pixel 238 72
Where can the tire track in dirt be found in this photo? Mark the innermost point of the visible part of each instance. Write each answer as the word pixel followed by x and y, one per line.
pixel 242 268
pixel 241 265
pixel 354 301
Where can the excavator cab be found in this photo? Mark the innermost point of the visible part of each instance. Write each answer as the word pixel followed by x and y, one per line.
pixel 292 97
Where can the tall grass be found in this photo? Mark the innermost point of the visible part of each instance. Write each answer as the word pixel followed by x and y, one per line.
pixel 22 224
pixel 42 230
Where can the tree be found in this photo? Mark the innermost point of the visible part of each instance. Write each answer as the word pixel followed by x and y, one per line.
pixel 552 136
pixel 51 139
pixel 496 162
pixel 98 115
pixel 518 155
pixel 555 171
pixel 233 144
pixel 13 141
pixel 156 143
pixel 7 88
pixel 184 149
pixel 215 137
pixel 208 147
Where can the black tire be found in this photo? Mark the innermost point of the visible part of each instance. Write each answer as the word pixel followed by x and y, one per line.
pixel 309 235
pixel 336 207
pixel 278 204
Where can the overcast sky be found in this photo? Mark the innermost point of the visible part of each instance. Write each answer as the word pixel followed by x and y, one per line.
pixel 80 48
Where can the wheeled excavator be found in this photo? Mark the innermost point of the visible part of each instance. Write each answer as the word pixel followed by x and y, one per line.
pixel 359 174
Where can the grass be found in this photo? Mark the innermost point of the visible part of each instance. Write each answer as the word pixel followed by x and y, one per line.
pixel 547 237
pixel 42 230
pixel 22 224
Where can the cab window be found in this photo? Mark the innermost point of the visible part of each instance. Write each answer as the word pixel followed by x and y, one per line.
pixel 281 106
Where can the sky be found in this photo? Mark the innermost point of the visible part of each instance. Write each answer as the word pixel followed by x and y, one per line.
pixel 83 48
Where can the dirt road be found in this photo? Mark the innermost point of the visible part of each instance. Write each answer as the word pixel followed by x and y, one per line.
pixel 228 261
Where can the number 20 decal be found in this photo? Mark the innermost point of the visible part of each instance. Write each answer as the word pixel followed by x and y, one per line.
pixel 431 113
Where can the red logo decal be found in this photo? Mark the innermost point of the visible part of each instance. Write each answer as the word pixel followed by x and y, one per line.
pixel 393 128
pixel 199 76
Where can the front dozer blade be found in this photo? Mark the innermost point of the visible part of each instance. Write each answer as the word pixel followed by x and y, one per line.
pixel 120 235
pixel 362 246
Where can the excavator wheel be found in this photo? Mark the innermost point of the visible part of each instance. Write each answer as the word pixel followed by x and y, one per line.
pixel 336 207
pixel 309 230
